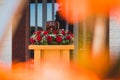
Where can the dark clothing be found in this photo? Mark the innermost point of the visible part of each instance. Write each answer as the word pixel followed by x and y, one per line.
pixel 62 22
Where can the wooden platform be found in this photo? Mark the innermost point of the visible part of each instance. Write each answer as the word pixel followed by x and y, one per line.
pixel 51 53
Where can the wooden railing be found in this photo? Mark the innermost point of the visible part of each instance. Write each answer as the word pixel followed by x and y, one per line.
pixel 51 53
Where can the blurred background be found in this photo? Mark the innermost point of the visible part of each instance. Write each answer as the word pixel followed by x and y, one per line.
pixel 95 25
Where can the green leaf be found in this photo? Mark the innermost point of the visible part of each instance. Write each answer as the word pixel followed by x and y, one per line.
pixel 67 41
pixel 63 42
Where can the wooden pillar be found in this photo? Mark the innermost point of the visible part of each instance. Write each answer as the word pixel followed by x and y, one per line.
pixel 20 38
pixel 44 13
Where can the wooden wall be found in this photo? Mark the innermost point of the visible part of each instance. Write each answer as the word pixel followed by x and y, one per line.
pixel 20 38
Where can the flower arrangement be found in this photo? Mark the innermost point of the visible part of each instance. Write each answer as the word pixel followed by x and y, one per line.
pixel 52 37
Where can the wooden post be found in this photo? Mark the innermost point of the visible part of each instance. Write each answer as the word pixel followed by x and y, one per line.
pixel 37 58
